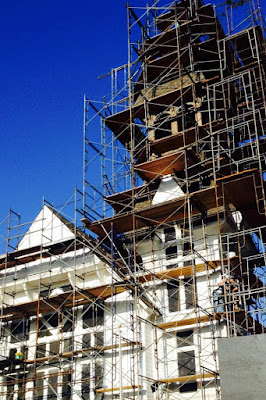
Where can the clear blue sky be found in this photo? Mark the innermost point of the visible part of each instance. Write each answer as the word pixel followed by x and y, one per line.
pixel 51 54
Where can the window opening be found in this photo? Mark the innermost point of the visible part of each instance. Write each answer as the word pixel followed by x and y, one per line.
pixel 186 363
pixel 173 295
pixel 185 338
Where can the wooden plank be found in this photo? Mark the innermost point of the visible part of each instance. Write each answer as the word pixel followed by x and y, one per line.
pixel 168 164
pixel 117 388
pixel 173 273
pixel 188 270
pixel 187 378
pixel 184 322
pixel 237 175
pixel 116 346
pixel 161 166
pixel 122 201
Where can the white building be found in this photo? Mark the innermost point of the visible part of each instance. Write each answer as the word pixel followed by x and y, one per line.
pixel 95 331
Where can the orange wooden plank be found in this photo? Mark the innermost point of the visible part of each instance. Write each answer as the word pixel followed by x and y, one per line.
pixel 117 388
pixel 179 271
pixel 187 378
pixel 184 322
pixel 161 166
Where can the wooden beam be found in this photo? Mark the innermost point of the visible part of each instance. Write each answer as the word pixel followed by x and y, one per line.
pixel 117 388
pixel 184 322
pixel 188 378
pixel 189 270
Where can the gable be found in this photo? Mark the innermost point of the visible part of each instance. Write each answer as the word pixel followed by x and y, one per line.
pixel 45 229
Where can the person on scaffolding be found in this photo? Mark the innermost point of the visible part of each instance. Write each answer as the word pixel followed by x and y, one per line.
pixel 233 298
pixel 218 296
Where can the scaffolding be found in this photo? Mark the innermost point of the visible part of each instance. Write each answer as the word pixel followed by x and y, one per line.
pixel 164 249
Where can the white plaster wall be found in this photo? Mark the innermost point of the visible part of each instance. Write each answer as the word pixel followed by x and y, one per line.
pixel 45 229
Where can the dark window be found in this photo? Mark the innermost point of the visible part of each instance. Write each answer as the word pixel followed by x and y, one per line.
pixel 189 387
pixel 10 387
pixel 38 393
pixel 173 295
pixel 186 363
pixel 171 266
pixel 52 319
pixel 21 387
pixel 171 252
pixel 98 374
pixel 46 323
pixel 4 330
pixel 87 316
pixel 169 234
pixel 54 348
pixel 66 389
pixel 12 353
pixel 189 292
pixel 162 129
pixel 184 338
pixel 24 351
pixel 68 321
pixel 85 381
pixel 41 348
pixel 86 341
pixel 99 338
pixel 92 316
pixel 99 315
pixel 17 331
pixel 68 345
pixel 186 245
pixel 139 263
pixel 154 387
pixel 189 115
pixel 52 386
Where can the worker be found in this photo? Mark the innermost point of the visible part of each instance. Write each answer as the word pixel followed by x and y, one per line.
pixel 12 353
pixel 218 296
pixel 232 287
